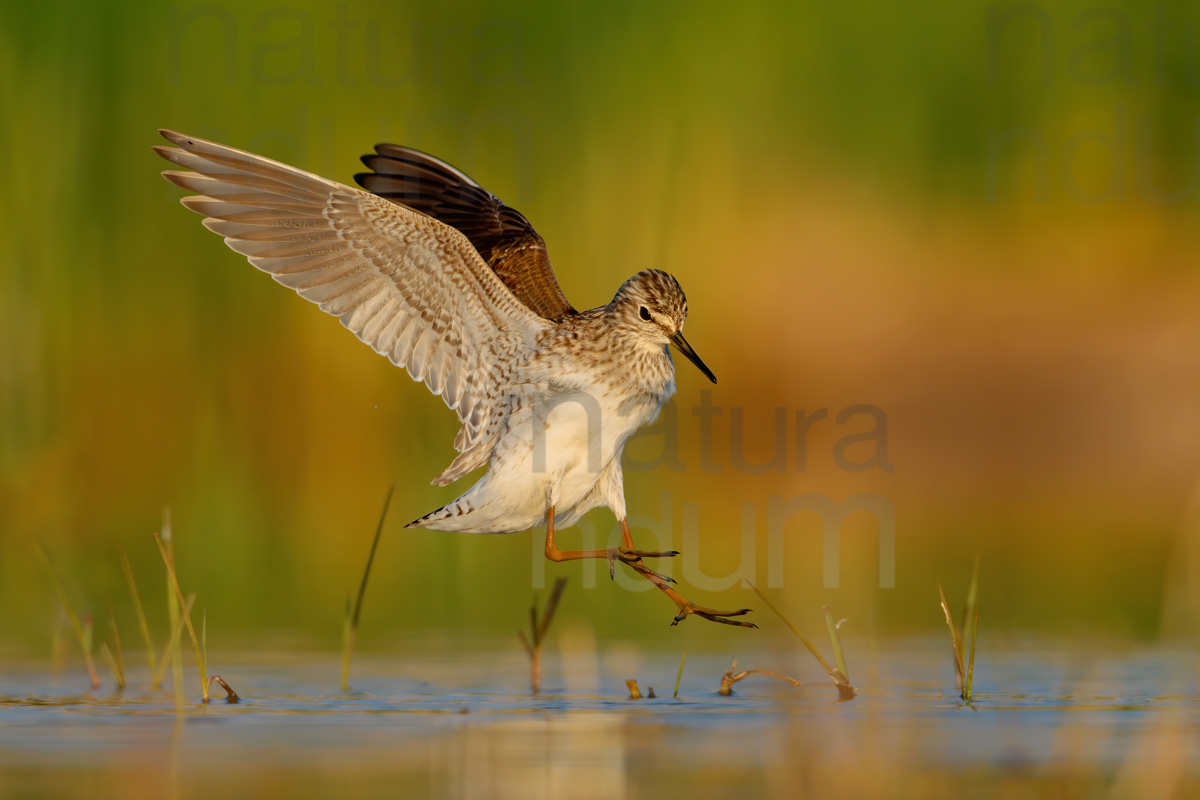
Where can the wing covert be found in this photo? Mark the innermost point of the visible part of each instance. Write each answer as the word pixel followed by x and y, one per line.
pixel 505 239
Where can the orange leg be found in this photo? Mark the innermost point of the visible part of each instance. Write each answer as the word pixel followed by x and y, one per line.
pixel 614 554
pixel 685 606
pixel 633 559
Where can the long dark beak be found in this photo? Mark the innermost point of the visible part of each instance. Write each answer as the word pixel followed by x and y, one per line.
pixel 682 346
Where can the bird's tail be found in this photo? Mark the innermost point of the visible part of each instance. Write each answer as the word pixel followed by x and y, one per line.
pixel 435 520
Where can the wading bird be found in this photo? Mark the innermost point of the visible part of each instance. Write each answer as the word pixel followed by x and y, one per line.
pixel 441 277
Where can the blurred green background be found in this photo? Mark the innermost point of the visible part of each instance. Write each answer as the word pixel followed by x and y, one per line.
pixel 979 219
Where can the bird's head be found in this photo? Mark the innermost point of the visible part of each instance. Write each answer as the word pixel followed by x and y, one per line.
pixel 653 308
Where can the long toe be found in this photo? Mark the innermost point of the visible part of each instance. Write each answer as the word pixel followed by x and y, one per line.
pixel 649 572
pixel 634 561
pixel 629 554
pixel 714 615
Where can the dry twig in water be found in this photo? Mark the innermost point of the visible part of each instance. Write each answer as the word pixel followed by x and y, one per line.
pixel 731 677
pixel 230 695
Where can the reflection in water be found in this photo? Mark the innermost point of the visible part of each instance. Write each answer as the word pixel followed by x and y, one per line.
pixel 1068 722
pixel 580 756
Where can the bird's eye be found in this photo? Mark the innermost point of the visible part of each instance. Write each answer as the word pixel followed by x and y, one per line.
pixel 645 313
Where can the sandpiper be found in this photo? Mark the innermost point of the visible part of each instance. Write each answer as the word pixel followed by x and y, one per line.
pixel 445 280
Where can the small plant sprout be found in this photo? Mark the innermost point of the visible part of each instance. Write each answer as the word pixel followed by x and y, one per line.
pixel 175 648
pixel 176 631
pixel 141 615
pixel 964 670
pixel 538 628
pixel 117 670
pixel 837 674
pixel 115 655
pixel 839 658
pixel 679 675
pixel 350 626
pixel 187 617
pixel 732 676
pixel 82 630
pixel 58 645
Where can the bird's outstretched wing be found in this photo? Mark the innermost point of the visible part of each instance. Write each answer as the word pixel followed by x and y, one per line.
pixel 505 239
pixel 413 288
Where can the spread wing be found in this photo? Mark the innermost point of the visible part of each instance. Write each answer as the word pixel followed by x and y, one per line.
pixel 411 287
pixel 505 239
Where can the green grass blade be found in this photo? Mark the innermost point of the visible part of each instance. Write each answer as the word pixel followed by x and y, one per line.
pixel 350 628
pixel 58 646
pixel 82 630
pixel 839 657
pixel 176 630
pixel 111 660
pixel 175 646
pixel 679 675
pixel 811 648
pixel 968 689
pixel 141 612
pixel 954 640
pixel 117 654
pixel 972 619
pixel 187 617
pixel 362 587
pixel 347 644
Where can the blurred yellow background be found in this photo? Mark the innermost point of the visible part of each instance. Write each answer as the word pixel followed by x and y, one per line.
pixel 979 220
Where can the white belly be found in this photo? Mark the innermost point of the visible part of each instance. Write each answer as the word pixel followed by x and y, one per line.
pixel 553 453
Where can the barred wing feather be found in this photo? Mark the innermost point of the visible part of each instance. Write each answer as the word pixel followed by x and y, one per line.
pixel 411 287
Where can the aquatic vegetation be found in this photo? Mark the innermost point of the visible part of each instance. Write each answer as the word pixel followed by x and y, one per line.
pixel 837 674
pixel 141 616
pixel 679 675
pixel 538 628
pixel 964 670
pixel 350 627
pixel 115 656
pixel 82 629
pixel 187 617
pixel 173 640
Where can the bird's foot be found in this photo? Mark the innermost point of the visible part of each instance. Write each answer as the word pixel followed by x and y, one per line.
pixel 686 606
pixel 634 559
pixel 630 554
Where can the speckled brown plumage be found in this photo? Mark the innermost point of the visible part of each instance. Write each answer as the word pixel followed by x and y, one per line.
pixel 505 239
pixel 455 287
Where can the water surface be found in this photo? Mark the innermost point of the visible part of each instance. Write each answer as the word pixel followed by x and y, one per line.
pixel 1053 720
